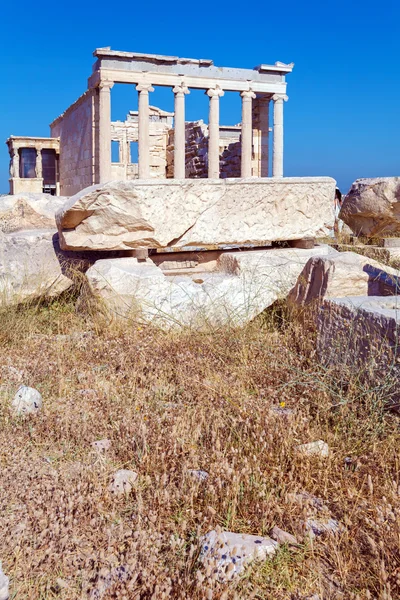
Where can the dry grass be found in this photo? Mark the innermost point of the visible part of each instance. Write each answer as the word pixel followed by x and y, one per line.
pixel 176 401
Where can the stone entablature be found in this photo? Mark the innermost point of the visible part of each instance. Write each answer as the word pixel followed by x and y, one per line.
pixel 35 182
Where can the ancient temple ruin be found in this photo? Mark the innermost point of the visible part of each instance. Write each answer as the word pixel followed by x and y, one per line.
pixel 85 147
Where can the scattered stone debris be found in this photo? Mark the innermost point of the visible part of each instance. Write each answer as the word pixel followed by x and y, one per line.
pixel 318 448
pixel 317 527
pixel 101 445
pixel 27 401
pixel 122 482
pixel 198 474
pixel 283 537
pixel 227 553
pixel 4 583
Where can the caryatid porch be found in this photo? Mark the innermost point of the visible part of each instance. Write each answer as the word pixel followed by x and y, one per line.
pixel 258 87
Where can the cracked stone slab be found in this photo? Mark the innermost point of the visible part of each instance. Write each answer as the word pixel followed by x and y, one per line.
pixel 121 215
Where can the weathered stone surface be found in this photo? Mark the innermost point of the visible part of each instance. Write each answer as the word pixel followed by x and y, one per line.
pixel 123 481
pixel 318 448
pixel 343 274
pixel 29 267
pixel 372 207
pixel 362 334
pixel 4 583
pixel 29 211
pixel 244 284
pixel 27 401
pixel 124 215
pixel 228 553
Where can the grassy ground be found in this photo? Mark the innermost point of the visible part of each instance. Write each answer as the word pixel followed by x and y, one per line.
pixel 176 401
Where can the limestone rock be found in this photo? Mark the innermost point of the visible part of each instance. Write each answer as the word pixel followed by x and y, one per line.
pixel 123 215
pixel 318 448
pixel 244 284
pixel 29 211
pixel 283 537
pixel 317 527
pixel 228 553
pixel 27 401
pixel 123 481
pixel 29 267
pixel 4 585
pixel 344 274
pixel 372 207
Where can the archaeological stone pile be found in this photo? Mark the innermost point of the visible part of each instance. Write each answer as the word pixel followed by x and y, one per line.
pixel 242 253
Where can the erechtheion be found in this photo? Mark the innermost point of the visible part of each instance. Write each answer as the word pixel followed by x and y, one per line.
pixel 78 152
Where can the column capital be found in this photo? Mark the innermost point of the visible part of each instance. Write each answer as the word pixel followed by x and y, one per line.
pixel 181 89
pixel 144 87
pixel 248 94
pixel 280 98
pixel 215 92
pixel 105 85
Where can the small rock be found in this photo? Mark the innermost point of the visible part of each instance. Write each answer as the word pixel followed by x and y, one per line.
pixel 198 474
pixel 316 527
pixel 4 583
pixel 227 553
pixel 279 411
pixel 101 445
pixel 318 448
pixel 89 392
pixel 282 537
pixel 122 482
pixel 27 401
pixel 61 584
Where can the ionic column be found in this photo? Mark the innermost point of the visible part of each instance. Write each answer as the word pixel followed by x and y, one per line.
pixel 144 142
pixel 247 133
pixel 39 168
pixel 105 131
pixel 179 131
pixel 277 157
pixel 213 132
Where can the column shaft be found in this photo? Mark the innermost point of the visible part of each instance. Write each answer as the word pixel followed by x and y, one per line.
pixel 105 131
pixel 277 158
pixel 213 133
pixel 179 131
pixel 247 133
pixel 144 141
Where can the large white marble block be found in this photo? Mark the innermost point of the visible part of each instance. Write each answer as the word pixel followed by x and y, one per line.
pixel 131 214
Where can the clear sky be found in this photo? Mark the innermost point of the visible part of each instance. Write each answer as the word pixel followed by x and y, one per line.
pixel 342 118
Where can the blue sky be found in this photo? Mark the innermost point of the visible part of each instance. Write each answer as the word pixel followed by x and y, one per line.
pixel 342 118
